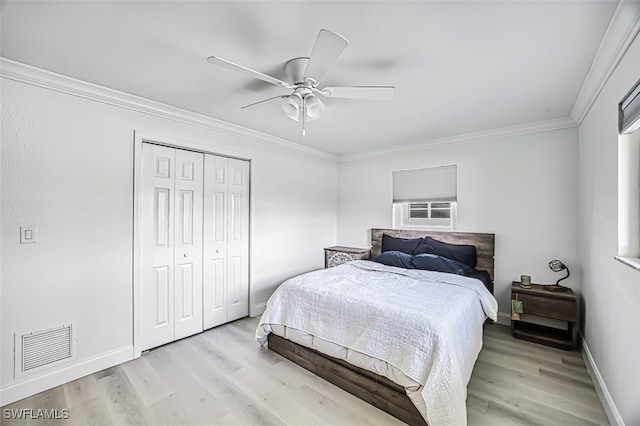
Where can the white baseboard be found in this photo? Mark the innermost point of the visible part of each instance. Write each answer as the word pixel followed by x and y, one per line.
pixel 259 309
pixel 28 386
pixel 601 388
pixel 504 318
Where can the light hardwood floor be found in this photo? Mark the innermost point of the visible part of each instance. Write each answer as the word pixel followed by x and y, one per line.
pixel 222 377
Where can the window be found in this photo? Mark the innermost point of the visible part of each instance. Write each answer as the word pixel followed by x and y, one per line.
pixel 425 198
pixel 435 214
pixel 628 178
pixel 419 211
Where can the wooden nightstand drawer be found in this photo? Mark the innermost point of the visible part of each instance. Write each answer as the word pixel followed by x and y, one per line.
pixel 565 310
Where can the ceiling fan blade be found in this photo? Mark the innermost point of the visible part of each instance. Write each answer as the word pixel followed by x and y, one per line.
pixel 374 93
pixel 325 52
pixel 247 71
pixel 259 104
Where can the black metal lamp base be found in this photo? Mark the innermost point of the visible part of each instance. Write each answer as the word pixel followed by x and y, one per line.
pixel 556 287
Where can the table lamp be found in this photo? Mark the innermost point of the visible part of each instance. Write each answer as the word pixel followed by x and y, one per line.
pixel 557 266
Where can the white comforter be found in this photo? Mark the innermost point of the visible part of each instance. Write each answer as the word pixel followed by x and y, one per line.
pixel 426 324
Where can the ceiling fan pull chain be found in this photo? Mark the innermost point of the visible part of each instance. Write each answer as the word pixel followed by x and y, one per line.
pixel 304 114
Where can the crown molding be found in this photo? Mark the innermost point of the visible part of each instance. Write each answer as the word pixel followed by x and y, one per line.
pixel 621 32
pixel 483 136
pixel 23 73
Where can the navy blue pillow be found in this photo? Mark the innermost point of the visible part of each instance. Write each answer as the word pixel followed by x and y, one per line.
pixel 424 248
pixel 406 245
pixel 459 252
pixel 394 258
pixel 433 262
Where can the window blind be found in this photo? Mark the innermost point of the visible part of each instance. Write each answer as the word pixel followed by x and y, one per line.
pixel 433 184
pixel 629 111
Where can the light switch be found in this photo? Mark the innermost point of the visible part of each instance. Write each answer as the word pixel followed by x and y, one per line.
pixel 28 234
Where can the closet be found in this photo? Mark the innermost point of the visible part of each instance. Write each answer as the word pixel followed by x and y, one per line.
pixel 194 242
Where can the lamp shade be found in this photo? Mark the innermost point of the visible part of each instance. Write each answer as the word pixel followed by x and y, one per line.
pixel 557 266
pixel 313 107
pixel 291 107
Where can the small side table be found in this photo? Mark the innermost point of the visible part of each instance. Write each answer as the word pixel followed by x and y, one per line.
pixel 559 305
pixel 337 255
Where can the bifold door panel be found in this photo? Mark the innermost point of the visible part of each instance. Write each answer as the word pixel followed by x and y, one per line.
pixel 226 230
pixel 188 243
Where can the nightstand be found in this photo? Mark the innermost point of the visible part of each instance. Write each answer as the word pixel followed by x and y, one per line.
pixel 336 255
pixel 557 305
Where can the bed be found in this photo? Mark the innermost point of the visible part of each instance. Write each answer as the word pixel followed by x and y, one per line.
pixel 403 339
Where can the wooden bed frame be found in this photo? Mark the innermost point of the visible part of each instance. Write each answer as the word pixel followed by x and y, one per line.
pixel 370 387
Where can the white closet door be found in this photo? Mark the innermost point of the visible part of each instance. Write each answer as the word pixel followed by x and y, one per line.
pixel 171 264
pixel 226 240
pixel 238 240
pixel 215 240
pixel 188 243
pixel 157 245
pixel 194 243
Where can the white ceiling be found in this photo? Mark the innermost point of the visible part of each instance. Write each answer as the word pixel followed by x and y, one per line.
pixel 459 66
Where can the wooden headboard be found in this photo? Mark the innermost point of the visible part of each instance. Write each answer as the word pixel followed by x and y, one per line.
pixel 485 243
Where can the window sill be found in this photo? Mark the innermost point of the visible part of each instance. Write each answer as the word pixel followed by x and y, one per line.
pixel 632 262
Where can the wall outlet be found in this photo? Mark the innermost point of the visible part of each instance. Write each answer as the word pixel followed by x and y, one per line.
pixel 28 234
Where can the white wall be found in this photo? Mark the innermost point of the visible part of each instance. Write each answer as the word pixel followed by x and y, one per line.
pixel 611 290
pixel 521 188
pixel 67 167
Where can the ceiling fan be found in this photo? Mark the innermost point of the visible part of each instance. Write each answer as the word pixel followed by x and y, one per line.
pixel 303 103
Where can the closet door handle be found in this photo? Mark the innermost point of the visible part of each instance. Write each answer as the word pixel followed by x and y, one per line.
pixel 186 255
pixel 217 250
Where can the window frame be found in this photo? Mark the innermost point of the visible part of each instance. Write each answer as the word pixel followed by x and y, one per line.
pixel 628 174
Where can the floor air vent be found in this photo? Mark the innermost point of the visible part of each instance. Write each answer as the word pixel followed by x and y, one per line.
pixel 42 348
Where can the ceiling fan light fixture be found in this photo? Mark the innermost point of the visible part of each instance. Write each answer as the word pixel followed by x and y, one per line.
pixel 313 107
pixel 291 107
